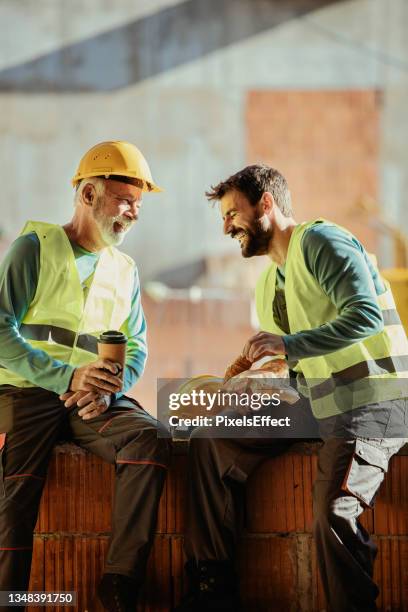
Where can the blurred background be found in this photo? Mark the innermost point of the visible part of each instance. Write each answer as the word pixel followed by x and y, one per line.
pixel 315 88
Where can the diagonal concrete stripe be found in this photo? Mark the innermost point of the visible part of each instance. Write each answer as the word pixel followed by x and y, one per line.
pixel 152 45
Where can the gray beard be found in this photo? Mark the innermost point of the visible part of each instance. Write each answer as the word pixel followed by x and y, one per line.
pixel 105 226
pixel 107 232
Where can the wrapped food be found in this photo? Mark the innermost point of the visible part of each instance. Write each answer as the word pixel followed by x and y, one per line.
pixel 241 364
pixel 270 377
pixel 278 368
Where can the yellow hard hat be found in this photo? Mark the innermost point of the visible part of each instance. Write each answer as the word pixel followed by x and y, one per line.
pixel 115 158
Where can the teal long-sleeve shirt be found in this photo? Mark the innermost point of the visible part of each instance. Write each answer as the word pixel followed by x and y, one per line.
pixel 19 273
pixel 341 266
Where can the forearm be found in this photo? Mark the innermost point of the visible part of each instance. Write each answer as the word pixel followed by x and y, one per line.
pixel 33 365
pixel 136 351
pixel 353 325
pixel 134 368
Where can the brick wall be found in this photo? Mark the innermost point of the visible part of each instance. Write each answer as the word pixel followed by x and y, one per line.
pixel 277 559
pixel 326 144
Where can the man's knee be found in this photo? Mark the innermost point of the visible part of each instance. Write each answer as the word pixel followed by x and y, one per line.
pixel 202 444
pixel 332 511
pixel 150 444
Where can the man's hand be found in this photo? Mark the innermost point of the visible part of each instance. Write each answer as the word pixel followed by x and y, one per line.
pixel 80 398
pixel 98 376
pixel 92 404
pixel 263 344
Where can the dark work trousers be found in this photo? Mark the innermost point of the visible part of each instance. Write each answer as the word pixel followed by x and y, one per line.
pixel 350 471
pixel 32 420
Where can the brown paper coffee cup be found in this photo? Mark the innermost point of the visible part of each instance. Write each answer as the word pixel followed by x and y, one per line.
pixel 112 346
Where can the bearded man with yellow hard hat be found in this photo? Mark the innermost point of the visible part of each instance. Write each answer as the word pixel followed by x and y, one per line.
pixel 60 287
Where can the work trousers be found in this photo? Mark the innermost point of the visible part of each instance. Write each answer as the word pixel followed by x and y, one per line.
pixel 32 420
pixel 350 471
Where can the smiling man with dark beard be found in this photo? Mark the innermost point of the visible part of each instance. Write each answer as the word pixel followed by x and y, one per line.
pixel 245 217
pixel 322 305
pixel 252 229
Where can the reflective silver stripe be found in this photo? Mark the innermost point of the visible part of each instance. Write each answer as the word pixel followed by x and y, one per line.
pixel 375 367
pixel 391 317
pixel 59 335
pixel 47 333
pixel 87 342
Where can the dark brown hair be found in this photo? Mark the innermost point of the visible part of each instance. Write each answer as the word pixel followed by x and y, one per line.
pixel 253 181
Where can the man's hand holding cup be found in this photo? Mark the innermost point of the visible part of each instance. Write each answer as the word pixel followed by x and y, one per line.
pixel 92 385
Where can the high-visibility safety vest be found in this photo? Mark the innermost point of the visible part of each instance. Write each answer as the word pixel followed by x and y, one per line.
pixel 59 320
pixel 366 372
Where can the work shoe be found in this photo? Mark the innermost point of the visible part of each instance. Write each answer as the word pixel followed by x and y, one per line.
pixel 212 586
pixel 117 593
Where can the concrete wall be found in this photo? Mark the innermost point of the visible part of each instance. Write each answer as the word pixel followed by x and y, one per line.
pixel 174 78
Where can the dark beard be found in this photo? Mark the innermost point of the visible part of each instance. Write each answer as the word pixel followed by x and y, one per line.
pixel 258 240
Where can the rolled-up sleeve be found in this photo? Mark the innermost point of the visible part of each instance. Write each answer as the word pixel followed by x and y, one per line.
pixel 344 272
pixel 135 330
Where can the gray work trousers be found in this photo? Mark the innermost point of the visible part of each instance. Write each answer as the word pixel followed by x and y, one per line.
pixel 350 471
pixel 32 420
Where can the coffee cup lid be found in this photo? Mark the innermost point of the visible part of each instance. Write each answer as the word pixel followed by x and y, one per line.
pixel 112 337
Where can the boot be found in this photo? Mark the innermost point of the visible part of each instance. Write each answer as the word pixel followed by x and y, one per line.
pixel 212 586
pixel 117 593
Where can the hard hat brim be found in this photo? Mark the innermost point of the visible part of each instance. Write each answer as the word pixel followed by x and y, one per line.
pixel 148 186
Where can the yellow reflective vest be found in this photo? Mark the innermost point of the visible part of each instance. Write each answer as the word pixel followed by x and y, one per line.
pixel 59 320
pixel 368 371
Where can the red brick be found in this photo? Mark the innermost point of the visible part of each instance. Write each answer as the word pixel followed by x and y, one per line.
pixel 279 495
pixel 268 570
pixel 391 572
pixel 78 493
pixel 75 563
pixel 391 508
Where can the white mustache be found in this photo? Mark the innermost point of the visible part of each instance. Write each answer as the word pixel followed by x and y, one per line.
pixel 124 221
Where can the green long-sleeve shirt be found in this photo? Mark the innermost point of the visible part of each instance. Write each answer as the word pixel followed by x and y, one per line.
pixel 19 273
pixel 345 273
